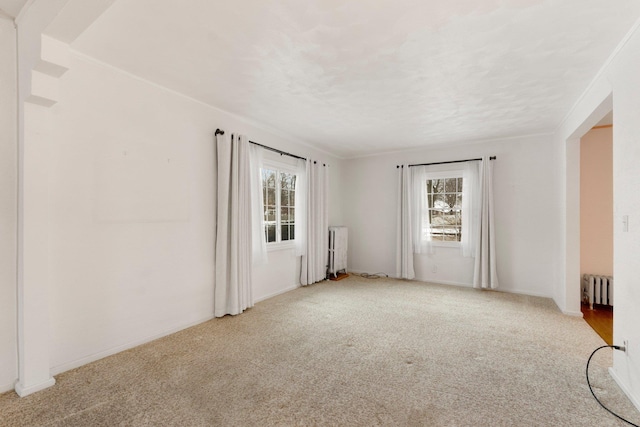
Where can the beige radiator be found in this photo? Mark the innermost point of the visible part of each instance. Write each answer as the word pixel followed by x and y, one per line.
pixel 599 289
pixel 338 239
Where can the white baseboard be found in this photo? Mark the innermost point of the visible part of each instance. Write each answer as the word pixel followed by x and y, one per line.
pixel 55 370
pixel 23 391
pixel 527 293
pixel 274 294
pixel 469 285
pixel 572 313
pixel 624 388
pixel 416 279
pixel 8 387
pixel 447 283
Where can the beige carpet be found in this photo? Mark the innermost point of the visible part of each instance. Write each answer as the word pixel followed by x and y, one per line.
pixel 353 352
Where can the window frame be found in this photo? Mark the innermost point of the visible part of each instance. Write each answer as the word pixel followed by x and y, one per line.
pixel 452 173
pixel 279 167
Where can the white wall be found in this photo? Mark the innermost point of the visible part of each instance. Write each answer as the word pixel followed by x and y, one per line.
pixel 620 82
pixel 132 193
pixel 626 179
pixel 8 205
pixel 525 199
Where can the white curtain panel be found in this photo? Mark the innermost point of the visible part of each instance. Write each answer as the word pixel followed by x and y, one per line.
pixel 470 208
pixel 418 176
pixel 485 274
pixel 232 288
pixel 259 240
pixel 404 234
pixel 300 214
pixel 314 261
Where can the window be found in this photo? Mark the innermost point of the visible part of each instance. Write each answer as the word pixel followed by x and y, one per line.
pixel 445 206
pixel 444 219
pixel 278 195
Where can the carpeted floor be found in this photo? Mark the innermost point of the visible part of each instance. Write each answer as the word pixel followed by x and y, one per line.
pixel 353 352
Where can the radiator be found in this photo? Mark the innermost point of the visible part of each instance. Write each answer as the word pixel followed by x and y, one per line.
pixel 599 289
pixel 338 238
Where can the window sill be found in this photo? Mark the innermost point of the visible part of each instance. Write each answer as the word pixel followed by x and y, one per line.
pixel 280 246
pixel 446 244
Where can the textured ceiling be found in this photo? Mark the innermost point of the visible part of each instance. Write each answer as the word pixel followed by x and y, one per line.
pixel 12 7
pixel 368 76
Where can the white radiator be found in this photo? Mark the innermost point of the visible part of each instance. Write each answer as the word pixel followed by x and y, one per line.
pixel 599 289
pixel 338 239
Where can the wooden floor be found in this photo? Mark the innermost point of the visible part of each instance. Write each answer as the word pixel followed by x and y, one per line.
pixel 601 320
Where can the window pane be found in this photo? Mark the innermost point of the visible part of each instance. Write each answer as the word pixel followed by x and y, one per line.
pixel 449 219
pixel 444 222
pixel 436 233
pixel 284 232
pixel 450 235
pixel 271 213
pixel 450 200
pixel 458 204
pixel 270 232
pixel 271 196
pixel 286 198
pixel 269 178
pixel 436 218
pixel 450 185
pixel 287 180
pixel 432 185
pixel 279 201
pixel 268 181
pixel 439 202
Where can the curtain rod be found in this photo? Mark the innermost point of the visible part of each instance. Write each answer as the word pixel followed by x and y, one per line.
pixel 283 153
pixel 451 161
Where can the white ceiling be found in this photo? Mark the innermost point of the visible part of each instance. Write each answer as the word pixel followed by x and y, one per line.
pixel 12 7
pixel 355 77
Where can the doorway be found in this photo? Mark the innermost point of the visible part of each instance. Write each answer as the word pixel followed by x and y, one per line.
pixel 596 225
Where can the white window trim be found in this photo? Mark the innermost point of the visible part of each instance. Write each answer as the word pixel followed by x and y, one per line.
pixel 280 167
pixel 452 173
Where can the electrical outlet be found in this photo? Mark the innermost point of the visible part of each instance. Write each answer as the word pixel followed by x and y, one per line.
pixel 625 343
pixel 434 268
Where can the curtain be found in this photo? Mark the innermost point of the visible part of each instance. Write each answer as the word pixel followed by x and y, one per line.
pixel 300 213
pixel 485 275
pixel 232 287
pixel 316 252
pixel 470 208
pixel 404 235
pixel 420 210
pixel 259 240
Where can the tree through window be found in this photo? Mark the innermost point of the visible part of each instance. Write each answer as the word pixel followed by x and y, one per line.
pixel 278 192
pixel 444 197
